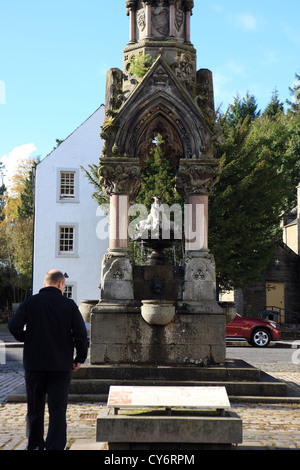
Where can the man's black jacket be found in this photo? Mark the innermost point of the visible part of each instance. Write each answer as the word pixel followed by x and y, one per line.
pixel 54 326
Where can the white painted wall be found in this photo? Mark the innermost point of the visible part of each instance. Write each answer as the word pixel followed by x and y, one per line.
pixel 82 147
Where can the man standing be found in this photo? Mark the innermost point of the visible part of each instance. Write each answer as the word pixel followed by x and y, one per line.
pixel 50 325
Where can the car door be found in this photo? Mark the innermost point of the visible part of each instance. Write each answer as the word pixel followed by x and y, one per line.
pixel 235 329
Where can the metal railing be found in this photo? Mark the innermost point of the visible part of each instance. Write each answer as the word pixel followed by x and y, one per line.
pixel 281 315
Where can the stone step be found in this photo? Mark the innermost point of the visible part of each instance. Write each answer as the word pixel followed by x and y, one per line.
pixel 232 370
pixel 101 386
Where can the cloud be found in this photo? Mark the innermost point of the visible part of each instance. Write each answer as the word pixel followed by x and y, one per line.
pixel 218 8
pixel 293 34
pixel 269 56
pixel 244 21
pixel 235 68
pixel 224 91
pixel 12 160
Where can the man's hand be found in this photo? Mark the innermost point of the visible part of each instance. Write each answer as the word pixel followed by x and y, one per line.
pixel 76 366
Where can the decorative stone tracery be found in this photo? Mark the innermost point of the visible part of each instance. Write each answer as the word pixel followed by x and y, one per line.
pixel 173 100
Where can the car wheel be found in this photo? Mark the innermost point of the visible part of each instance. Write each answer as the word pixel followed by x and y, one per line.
pixel 260 338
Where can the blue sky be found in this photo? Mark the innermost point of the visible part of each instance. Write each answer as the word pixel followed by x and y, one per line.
pixel 55 54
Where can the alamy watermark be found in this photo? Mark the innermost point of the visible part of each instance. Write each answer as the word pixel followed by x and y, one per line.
pixel 163 222
pixel 2 353
pixel 296 353
pixel 2 92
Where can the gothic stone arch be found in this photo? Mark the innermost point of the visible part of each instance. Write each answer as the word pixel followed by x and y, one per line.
pixel 160 104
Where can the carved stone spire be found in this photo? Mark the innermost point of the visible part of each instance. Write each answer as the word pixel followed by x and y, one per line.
pixel 161 27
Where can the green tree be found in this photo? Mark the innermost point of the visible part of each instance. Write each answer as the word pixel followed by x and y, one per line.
pixel 26 207
pixel 246 204
pixel 242 109
pixel 275 107
pixel 16 232
pixel 294 104
pixel 140 64
pixel 158 177
pixel 93 178
pixel 2 190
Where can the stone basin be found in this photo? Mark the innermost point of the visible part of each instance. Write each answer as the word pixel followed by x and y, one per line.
pixel 158 312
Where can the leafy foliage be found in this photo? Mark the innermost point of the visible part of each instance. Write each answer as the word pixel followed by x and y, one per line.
pixel 259 157
pixel 158 177
pixel 16 234
pixel 140 64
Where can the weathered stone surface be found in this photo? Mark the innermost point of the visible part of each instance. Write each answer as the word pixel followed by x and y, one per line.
pixel 117 276
pixel 170 429
pixel 118 338
pixel 199 277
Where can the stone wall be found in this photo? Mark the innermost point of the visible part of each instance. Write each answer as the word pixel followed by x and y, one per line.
pixel 119 338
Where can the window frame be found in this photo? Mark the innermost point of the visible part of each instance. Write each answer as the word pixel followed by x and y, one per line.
pixel 65 198
pixel 67 254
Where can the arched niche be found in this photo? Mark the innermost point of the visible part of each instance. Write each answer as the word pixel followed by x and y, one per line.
pixel 182 130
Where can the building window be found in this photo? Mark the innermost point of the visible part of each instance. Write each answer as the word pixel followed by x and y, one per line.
pixel 67 185
pixel 68 292
pixel 67 240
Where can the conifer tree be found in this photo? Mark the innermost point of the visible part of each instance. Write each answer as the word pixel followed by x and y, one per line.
pixel 295 93
pixel 245 205
pixel 158 177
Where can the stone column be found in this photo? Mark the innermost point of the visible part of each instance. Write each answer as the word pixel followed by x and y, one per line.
pixel 118 230
pixel 195 180
pixel 120 179
pixel 172 18
pixel 188 26
pixel 189 5
pixel 132 26
pixel 196 223
pixel 131 9
pixel 148 18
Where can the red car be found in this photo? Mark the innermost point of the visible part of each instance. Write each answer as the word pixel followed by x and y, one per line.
pixel 257 331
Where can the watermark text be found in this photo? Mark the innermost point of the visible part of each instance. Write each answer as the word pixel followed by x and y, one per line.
pixel 121 221
pixel 2 92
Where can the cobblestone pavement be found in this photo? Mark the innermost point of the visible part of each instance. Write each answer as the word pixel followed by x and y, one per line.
pixel 265 426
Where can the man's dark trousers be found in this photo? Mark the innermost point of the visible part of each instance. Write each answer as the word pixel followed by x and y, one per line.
pixel 54 385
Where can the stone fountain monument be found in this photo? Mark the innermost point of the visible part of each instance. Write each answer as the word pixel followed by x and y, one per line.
pixel 158 314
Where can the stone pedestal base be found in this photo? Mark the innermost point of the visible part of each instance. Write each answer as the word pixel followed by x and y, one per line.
pixel 153 431
pixel 125 338
pixel 117 276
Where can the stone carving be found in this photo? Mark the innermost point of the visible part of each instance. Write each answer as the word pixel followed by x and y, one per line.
pixel 141 19
pixel 118 274
pixel 131 5
pixel 200 278
pixel 160 20
pixel 156 220
pixel 160 78
pixel 179 17
pixel 116 277
pixel 120 176
pixel 200 274
pixel 185 68
pixel 185 65
pixel 197 176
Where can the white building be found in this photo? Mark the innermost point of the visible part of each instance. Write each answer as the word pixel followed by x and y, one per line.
pixel 66 216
